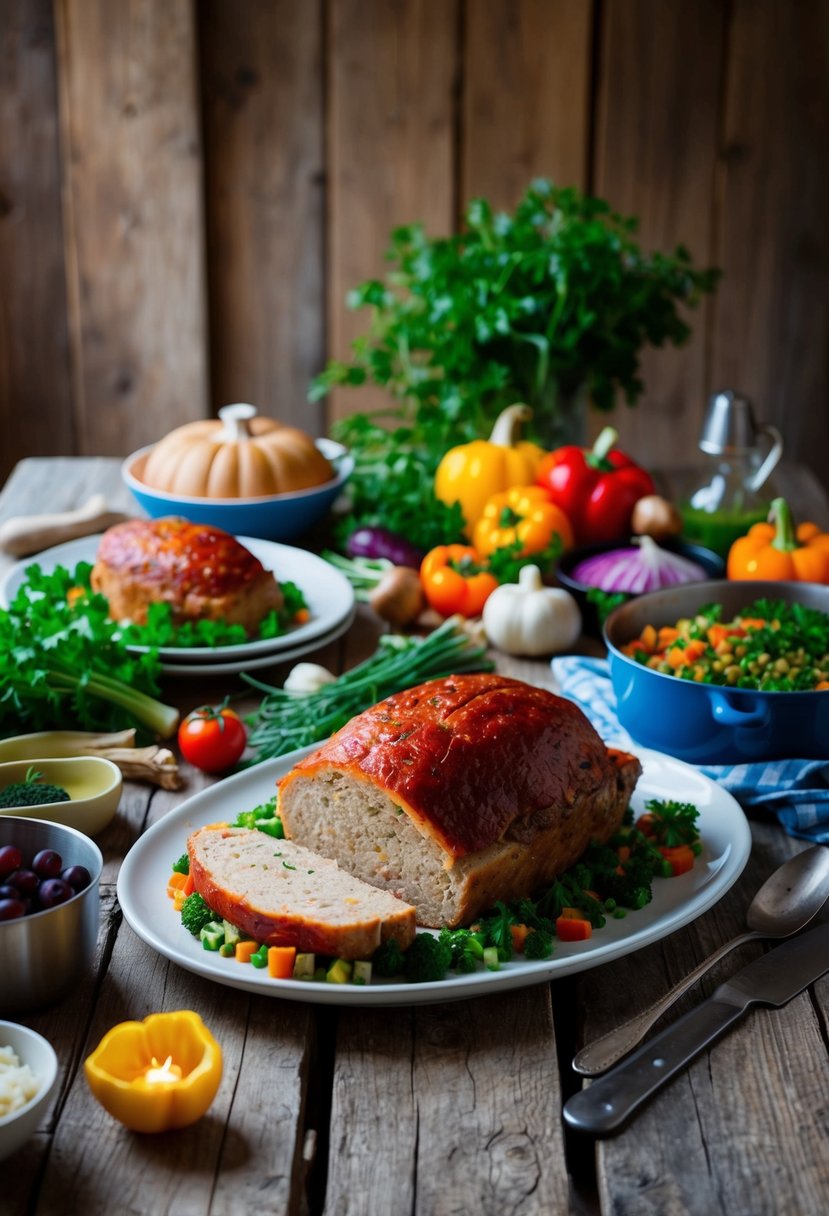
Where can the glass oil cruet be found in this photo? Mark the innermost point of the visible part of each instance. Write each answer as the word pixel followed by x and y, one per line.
pixel 732 489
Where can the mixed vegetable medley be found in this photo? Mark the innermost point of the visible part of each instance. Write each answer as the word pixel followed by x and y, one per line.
pixel 770 646
pixel 609 881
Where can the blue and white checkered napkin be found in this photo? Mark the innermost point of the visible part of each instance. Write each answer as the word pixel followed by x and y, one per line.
pixel 796 791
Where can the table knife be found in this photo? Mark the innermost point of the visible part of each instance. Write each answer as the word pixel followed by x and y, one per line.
pixel 772 979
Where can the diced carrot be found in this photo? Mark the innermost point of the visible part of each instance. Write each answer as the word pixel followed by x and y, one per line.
pixel 645 823
pixel 244 950
pixel 179 882
pixel 681 656
pixel 667 634
pixel 680 858
pixel 175 882
pixel 719 633
pixel 518 933
pixel 281 961
pixel 648 638
pixel 572 929
pixel 821 686
pixel 753 622
pixel 631 649
pixel 302 616
pixel 571 914
pixel 623 852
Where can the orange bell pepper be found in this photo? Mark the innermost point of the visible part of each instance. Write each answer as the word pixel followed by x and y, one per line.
pixel 777 550
pixel 156 1075
pixel 456 580
pixel 525 515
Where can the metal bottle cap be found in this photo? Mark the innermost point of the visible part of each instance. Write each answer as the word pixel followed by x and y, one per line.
pixel 730 429
pixel 730 426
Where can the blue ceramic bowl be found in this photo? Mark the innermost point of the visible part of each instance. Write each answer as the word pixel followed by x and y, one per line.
pixel 705 723
pixel 279 517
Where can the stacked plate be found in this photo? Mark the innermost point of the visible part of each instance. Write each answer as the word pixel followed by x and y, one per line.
pixel 329 595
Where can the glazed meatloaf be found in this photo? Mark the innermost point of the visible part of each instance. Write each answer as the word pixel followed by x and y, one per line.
pixel 458 793
pixel 202 572
pixel 284 895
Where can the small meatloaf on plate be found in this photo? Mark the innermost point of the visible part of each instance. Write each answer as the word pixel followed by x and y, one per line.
pixel 458 793
pixel 284 895
pixel 203 573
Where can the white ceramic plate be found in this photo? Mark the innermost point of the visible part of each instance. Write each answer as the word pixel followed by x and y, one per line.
pixel 283 655
pixel 328 593
pixel 143 878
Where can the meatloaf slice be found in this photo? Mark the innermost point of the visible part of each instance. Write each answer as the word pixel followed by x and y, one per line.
pixel 281 894
pixel 204 573
pixel 458 793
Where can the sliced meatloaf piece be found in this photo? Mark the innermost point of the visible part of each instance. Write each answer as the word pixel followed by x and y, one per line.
pixel 204 573
pixel 458 793
pixel 282 894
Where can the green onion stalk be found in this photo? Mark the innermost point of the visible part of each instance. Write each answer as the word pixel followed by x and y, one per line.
pixel 288 720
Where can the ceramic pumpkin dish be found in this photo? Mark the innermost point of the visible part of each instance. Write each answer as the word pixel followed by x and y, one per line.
pixel 238 455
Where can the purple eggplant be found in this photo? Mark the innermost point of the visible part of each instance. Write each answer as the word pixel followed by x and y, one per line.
pixel 380 543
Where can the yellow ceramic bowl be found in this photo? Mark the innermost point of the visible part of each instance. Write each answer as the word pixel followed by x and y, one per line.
pixel 92 783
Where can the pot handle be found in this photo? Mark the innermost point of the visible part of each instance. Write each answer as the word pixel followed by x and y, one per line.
pixel 728 714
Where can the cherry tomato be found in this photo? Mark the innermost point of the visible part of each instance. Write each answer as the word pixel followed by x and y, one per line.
pixel 212 738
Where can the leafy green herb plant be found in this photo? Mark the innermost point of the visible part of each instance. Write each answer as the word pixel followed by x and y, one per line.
pixel 546 305
pixel 60 667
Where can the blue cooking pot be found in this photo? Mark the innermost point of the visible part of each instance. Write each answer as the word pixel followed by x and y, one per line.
pixel 706 723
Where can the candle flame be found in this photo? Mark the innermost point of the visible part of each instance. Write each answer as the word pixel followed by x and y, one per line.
pixel 161 1073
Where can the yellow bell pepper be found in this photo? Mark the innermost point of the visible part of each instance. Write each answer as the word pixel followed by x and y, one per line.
pixel 523 515
pixel 473 472
pixel 156 1075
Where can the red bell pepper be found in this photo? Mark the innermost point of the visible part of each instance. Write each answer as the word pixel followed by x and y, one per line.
pixel 596 488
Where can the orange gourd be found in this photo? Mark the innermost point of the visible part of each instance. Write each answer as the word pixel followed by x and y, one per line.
pixel 238 455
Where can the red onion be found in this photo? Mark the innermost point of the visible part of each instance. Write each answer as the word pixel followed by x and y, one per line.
pixel 643 566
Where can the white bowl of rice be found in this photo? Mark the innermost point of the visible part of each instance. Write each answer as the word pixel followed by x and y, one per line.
pixel 28 1076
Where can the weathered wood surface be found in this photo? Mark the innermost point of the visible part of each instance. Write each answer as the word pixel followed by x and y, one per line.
pixel 526 97
pixel 263 123
pixel 133 220
pixel 655 157
pixel 443 1109
pixel 188 191
pixel 390 149
pixel 35 397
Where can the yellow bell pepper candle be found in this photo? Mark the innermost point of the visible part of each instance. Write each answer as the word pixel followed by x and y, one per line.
pixel 156 1075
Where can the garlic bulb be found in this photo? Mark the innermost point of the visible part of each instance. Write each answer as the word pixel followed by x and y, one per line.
pixel 527 618
pixel 307 677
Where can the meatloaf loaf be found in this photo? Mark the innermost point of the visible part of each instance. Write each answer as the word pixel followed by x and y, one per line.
pixel 284 895
pixel 202 572
pixel 458 793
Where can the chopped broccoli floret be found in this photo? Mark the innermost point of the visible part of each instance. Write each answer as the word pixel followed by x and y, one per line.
pixel 427 959
pixel 182 866
pixel 539 944
pixel 195 914
pixel 264 818
pixel 388 960
pixel 466 947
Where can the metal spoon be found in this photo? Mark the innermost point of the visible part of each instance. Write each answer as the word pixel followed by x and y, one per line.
pixel 785 903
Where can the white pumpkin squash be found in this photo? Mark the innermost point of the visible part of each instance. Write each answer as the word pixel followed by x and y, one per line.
pixel 527 618
pixel 238 455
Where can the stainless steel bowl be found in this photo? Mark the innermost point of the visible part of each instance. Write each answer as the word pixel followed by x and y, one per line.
pixel 41 955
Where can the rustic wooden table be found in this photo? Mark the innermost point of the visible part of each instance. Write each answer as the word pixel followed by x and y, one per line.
pixel 452 1108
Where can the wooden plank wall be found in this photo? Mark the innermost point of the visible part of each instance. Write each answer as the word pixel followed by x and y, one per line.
pixel 188 190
